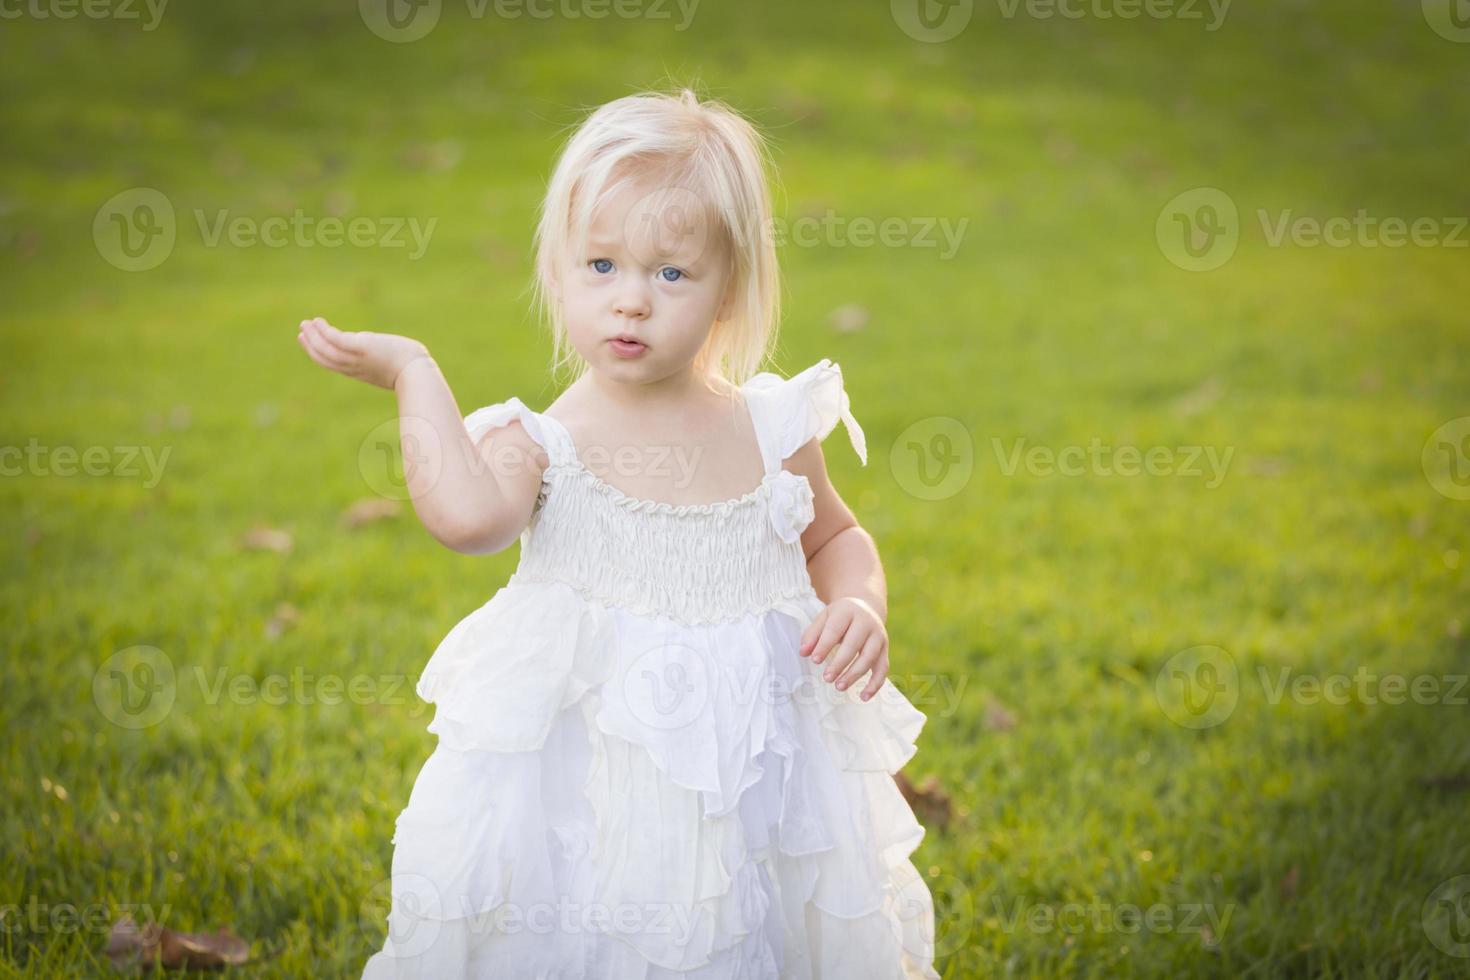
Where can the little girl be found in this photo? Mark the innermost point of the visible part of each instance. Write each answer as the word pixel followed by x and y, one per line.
pixel 658 755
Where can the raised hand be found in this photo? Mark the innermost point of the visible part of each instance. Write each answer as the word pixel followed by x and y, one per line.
pixel 376 358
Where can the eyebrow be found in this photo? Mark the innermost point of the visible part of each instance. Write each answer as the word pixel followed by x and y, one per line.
pixel 597 244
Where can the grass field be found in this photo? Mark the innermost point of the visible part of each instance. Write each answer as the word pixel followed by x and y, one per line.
pixel 1047 610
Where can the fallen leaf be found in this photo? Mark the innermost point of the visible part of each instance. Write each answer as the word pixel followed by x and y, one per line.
pixel 929 801
pixel 1267 466
pixel 438 157
pixel 1454 783
pixel 1287 887
pixel 370 509
pixel 153 945
pixel 1200 398
pixel 997 717
pixel 263 538
pixel 285 616
pixel 848 318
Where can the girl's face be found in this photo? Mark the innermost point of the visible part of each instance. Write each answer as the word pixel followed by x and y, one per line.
pixel 655 271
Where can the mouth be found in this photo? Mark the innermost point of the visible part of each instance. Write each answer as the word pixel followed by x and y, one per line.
pixel 626 346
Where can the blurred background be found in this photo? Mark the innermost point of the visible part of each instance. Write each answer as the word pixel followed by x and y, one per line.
pixel 1154 315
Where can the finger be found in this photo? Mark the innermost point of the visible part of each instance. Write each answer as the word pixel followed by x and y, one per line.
pixel 880 673
pixel 348 340
pixel 322 350
pixel 836 626
pixel 323 354
pixel 863 662
pixel 852 641
pixel 812 631
pixel 312 353
pixel 336 340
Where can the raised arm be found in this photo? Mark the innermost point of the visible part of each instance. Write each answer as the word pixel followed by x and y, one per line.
pixel 475 499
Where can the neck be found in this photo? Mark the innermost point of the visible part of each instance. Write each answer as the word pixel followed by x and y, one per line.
pixel 669 394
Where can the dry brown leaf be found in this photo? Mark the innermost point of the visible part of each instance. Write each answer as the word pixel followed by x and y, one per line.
pixel 929 801
pixel 1289 883
pixel 263 538
pixel 154 945
pixel 997 717
pixel 1267 466
pixel 370 509
pixel 848 318
pixel 1201 398
pixel 285 616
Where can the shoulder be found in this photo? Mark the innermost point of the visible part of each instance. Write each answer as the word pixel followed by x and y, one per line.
pixel 512 428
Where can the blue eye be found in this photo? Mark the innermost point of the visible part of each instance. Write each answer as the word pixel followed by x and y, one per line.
pixel 677 273
pixel 602 265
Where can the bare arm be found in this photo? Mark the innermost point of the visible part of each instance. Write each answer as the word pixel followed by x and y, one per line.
pixel 473 499
pixel 847 574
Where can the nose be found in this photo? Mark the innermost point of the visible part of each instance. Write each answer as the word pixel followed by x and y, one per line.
pixel 632 300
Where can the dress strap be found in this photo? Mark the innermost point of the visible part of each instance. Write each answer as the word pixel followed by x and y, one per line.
pixel 789 412
pixel 548 433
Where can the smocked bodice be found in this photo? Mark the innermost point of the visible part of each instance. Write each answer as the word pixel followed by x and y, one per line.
pixel 692 563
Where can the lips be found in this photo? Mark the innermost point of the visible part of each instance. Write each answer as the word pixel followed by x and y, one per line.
pixel 627 347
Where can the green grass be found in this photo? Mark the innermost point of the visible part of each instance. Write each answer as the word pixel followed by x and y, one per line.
pixel 1313 832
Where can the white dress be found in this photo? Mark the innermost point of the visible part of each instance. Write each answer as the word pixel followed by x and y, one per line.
pixel 637 777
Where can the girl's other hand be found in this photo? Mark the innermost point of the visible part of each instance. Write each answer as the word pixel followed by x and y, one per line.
pixel 849 635
pixel 377 358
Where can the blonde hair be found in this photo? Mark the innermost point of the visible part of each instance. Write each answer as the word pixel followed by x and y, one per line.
pixel 692 147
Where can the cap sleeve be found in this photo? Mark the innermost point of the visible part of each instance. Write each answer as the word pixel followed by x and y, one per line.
pixel 808 404
pixel 482 420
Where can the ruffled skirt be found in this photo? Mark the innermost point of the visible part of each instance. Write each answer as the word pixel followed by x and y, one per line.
pixel 619 796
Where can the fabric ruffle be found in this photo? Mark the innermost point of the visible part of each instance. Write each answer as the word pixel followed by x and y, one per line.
pixel 482 420
pixel 619 796
pixel 808 404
